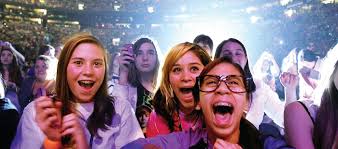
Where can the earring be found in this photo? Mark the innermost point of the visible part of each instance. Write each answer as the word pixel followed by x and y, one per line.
pixel 197 108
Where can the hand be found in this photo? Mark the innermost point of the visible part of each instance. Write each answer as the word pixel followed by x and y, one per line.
pixel 125 59
pixel 10 84
pixel 48 117
pixel 221 144
pixel 71 126
pixel 289 80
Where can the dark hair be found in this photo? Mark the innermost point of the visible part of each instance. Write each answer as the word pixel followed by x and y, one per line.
pixel 103 103
pixel 210 66
pixel 325 127
pixel 44 48
pixel 205 40
pixel 165 100
pixel 15 73
pixel 134 74
pixel 310 56
pixel 248 75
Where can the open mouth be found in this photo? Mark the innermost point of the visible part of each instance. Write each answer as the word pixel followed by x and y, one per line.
pixel 223 108
pixel 86 84
pixel 186 90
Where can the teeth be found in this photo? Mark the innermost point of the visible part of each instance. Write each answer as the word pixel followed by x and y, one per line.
pixel 86 83
pixel 223 104
pixel 223 108
pixel 186 89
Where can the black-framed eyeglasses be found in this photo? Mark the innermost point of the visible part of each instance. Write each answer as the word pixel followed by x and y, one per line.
pixel 209 83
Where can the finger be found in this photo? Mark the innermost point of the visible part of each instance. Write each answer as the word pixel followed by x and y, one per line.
pixel 44 114
pixel 53 121
pixel 69 121
pixel 43 92
pixel 69 131
pixel 58 104
pixel 42 103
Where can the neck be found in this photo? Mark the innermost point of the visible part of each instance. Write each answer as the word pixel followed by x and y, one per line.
pixel 231 138
pixel 40 81
pixel 146 79
pixel 5 67
pixel 184 110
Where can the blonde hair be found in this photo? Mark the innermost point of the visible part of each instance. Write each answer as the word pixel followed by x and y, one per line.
pixel 165 103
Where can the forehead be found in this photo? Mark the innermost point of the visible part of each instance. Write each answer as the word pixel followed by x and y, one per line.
pixel 232 46
pixel 146 46
pixel 88 51
pixel 224 69
pixel 188 58
pixel 6 51
pixel 40 61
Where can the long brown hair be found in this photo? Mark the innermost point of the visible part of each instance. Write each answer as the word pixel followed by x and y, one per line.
pixel 325 131
pixel 134 74
pixel 165 101
pixel 15 73
pixel 103 103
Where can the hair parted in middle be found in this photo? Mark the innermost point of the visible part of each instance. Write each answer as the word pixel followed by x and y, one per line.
pixel 103 103
pixel 165 101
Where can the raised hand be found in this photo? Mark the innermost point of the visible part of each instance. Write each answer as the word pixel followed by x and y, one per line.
pixel 221 144
pixel 125 59
pixel 48 117
pixel 71 127
pixel 289 80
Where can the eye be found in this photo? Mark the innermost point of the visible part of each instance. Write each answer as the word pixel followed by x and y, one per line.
pixel 98 63
pixel 194 69
pixel 226 53
pixel 152 52
pixel 239 54
pixel 77 62
pixel 176 70
pixel 210 82
pixel 139 52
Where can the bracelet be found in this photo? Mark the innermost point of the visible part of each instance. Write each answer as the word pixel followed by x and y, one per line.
pixel 50 144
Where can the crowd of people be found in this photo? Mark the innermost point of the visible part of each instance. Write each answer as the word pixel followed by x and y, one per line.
pixel 80 87
pixel 78 99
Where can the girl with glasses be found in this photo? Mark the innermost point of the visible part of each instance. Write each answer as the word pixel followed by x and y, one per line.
pixel 221 93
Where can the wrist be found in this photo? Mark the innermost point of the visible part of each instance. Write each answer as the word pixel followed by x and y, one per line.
pixel 51 144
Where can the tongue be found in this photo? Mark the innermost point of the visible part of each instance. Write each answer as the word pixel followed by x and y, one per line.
pixel 222 119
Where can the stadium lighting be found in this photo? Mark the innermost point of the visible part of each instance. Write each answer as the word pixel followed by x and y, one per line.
pixel 81 6
pixel 289 12
pixel 285 2
pixel 255 19
pixel 151 9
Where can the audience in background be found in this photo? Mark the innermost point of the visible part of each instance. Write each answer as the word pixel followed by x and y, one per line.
pixel 9 117
pixel 205 42
pixel 308 126
pixel 138 68
pixel 11 73
pixel 42 82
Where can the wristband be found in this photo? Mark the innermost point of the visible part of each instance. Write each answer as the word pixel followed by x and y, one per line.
pixel 49 144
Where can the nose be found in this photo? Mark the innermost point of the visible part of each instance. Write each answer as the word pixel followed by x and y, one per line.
pixel 186 76
pixel 88 69
pixel 222 89
pixel 144 57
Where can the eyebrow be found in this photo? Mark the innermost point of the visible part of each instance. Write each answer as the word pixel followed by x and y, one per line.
pixel 80 58
pixel 194 63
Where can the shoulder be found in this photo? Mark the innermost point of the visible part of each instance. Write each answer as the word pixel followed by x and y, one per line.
pixel 249 136
pixel 121 105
